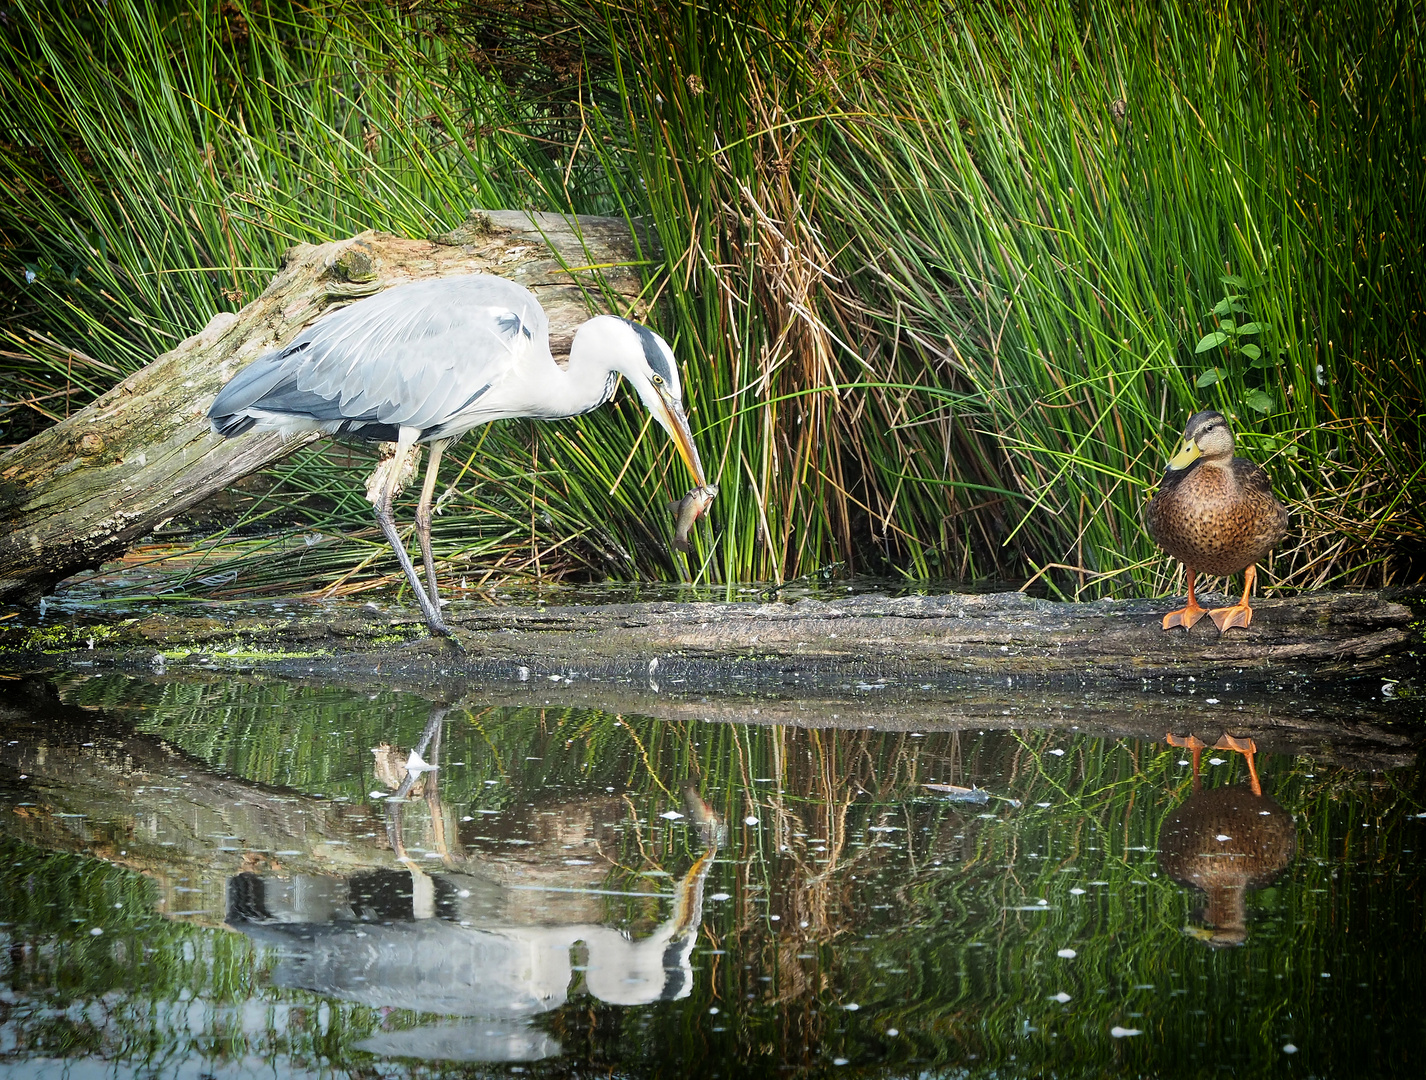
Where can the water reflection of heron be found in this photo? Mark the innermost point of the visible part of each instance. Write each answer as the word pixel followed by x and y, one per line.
pixel 1226 841
pixel 460 943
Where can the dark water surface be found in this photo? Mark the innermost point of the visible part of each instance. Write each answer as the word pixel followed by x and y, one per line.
pixel 213 879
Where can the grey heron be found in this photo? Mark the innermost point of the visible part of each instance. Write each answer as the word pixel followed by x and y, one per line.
pixel 427 361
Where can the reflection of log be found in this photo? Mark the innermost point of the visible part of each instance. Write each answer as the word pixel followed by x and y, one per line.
pixel 74 779
pixel 93 786
pixel 81 491
pixel 817 645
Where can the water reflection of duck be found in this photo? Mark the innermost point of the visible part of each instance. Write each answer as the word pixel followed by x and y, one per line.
pixel 1226 841
pixel 1216 514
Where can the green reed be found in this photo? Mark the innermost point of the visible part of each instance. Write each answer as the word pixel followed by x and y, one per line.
pixel 945 282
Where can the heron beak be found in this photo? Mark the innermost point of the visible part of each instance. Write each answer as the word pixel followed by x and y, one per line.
pixel 675 422
pixel 1187 456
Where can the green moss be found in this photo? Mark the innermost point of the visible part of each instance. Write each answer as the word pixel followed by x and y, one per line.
pixel 61 638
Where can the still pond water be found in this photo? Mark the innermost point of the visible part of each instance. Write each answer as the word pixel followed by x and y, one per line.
pixel 225 879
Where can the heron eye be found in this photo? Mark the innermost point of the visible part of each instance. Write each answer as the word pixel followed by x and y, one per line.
pixel 657 380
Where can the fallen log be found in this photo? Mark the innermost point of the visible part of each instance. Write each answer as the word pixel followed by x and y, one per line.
pixel 813 645
pixel 82 491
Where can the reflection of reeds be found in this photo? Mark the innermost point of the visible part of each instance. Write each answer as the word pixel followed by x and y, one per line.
pixel 912 903
pixel 936 275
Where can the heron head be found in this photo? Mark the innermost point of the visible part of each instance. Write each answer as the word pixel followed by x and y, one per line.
pixel 1207 436
pixel 648 363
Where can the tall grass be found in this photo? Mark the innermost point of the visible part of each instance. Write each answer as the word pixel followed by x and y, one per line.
pixel 939 277
pixel 1059 212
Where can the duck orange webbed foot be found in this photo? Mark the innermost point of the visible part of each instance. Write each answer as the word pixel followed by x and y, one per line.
pixel 1240 614
pixel 1232 742
pixel 1185 616
pixel 1247 748
pixel 1225 618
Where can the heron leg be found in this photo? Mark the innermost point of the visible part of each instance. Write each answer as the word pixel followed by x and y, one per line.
pixel 385 483
pixel 423 517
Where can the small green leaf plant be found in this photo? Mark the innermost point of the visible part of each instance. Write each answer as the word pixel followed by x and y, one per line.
pixel 1239 353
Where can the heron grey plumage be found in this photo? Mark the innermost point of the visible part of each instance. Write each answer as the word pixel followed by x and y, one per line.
pixel 428 361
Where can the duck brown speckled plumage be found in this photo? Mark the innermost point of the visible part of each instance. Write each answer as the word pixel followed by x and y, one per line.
pixel 1216 514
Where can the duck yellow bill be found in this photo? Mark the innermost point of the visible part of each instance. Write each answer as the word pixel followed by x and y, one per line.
pixel 1187 456
pixel 675 422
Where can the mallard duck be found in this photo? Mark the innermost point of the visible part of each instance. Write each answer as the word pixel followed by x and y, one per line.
pixel 1216 514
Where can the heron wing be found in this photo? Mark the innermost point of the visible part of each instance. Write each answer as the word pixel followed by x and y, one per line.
pixel 416 355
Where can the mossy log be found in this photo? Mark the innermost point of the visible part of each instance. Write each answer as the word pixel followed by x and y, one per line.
pixel 809 646
pixel 82 491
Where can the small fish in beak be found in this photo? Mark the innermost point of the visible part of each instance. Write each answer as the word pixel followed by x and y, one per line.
pixel 688 510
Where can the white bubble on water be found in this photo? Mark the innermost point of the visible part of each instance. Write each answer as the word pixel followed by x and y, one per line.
pixel 1123 1032
pixel 1066 954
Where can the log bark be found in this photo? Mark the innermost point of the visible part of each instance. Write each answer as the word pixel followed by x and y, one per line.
pixel 810 647
pixel 81 491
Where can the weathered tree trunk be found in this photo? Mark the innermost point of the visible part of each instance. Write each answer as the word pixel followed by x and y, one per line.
pixel 82 491
pixel 817 647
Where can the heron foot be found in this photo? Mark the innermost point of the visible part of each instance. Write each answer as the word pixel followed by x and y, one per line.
pixel 446 638
pixel 455 645
pixel 437 644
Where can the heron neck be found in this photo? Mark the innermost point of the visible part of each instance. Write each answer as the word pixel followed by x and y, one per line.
pixel 586 382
